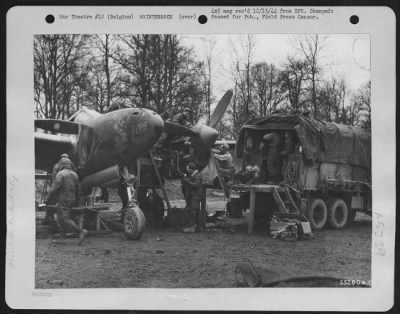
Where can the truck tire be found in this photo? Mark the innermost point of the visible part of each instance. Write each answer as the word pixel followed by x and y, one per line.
pixel 317 213
pixel 134 223
pixel 338 213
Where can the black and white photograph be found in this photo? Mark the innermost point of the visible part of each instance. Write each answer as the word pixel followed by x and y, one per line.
pixel 200 158
pixel 198 161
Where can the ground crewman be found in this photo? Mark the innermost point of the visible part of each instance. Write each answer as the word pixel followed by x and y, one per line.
pixel 274 160
pixel 193 189
pixel 183 118
pixel 65 192
pixel 289 147
pixel 56 167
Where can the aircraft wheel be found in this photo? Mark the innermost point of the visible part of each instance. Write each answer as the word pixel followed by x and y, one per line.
pixel 338 213
pixel 134 223
pixel 317 213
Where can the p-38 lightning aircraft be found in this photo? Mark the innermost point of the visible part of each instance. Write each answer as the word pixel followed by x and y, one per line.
pixel 100 144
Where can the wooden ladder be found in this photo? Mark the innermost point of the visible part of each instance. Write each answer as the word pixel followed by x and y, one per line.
pixel 220 176
pixel 284 200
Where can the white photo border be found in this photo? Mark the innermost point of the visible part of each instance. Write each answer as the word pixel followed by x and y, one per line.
pixel 25 22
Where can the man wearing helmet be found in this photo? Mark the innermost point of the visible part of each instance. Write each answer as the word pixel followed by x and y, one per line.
pixel 225 161
pixel 183 118
pixel 56 167
pixel 64 191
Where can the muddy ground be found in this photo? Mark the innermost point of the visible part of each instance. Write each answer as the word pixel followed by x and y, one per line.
pixel 166 258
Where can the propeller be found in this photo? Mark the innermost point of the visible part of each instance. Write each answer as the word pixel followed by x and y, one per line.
pixel 203 136
pixel 206 133
pixel 220 109
pixel 174 129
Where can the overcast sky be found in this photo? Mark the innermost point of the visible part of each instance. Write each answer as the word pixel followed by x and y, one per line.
pixel 345 55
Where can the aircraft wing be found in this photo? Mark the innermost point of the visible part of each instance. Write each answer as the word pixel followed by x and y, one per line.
pixel 58 126
pixel 49 147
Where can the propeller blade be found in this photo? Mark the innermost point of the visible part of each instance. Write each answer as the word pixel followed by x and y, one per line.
pixel 175 129
pixel 220 109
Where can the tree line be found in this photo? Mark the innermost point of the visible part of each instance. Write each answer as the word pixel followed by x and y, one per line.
pixel 97 71
pixel 161 73
pixel 297 85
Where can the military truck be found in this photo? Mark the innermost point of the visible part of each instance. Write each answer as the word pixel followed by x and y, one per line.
pixel 329 166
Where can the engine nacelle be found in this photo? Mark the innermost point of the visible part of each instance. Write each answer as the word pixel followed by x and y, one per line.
pixel 103 178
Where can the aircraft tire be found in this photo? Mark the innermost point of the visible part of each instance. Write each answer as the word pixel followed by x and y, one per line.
pixel 317 213
pixel 134 223
pixel 338 213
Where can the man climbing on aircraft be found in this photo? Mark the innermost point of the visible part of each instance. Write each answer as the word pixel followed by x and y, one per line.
pixel 225 160
pixel 183 118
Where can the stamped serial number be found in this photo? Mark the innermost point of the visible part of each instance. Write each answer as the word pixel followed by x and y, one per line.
pixel 355 282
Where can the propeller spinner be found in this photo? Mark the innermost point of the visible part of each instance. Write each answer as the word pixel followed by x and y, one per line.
pixel 207 133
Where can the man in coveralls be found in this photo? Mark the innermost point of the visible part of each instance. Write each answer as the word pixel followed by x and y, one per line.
pixel 64 191
pixel 193 189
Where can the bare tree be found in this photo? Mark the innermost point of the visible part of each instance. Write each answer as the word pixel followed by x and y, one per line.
pixel 267 89
pixel 310 46
pixel 360 106
pixel 103 79
pixel 331 99
pixel 56 73
pixel 242 63
pixel 208 74
pixel 106 43
pixel 163 74
pixel 292 78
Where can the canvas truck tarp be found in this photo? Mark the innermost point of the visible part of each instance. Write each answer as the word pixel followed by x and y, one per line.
pixel 321 141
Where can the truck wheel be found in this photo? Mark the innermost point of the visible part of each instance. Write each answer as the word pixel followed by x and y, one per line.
pixel 134 223
pixel 317 213
pixel 338 213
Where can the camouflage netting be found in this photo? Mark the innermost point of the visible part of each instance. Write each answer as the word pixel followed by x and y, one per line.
pixel 321 141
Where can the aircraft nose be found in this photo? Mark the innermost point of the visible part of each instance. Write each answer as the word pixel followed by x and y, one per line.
pixel 158 123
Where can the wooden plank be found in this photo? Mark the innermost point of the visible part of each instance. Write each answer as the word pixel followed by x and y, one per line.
pixel 98 219
pixel 104 225
pixel 257 187
pixel 279 202
pixel 252 210
pixel 81 220
pixel 290 199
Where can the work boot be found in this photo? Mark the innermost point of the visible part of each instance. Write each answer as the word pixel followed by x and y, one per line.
pixel 82 236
